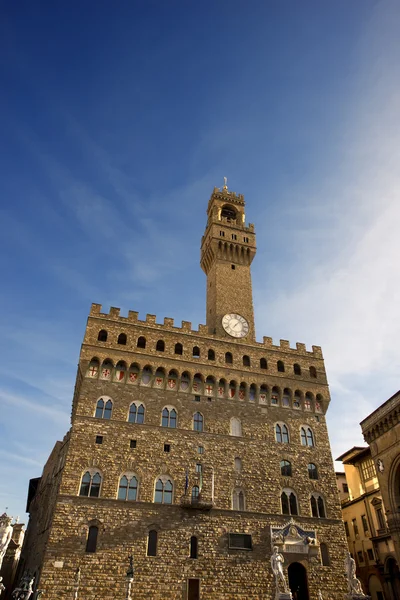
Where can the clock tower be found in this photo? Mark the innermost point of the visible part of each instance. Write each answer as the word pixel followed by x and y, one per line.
pixel 227 249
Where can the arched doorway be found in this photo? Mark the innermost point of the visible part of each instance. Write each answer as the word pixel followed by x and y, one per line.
pixel 298 581
pixel 392 576
pixel 375 589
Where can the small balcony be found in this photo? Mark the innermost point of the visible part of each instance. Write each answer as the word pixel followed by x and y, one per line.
pixel 198 503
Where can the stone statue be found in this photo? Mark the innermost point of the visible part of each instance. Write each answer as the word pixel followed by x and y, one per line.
pixel 320 596
pixel 5 534
pixel 277 561
pixel 25 589
pixel 2 586
pixel 353 583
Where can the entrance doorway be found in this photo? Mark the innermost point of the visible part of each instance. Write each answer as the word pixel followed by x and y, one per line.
pixel 193 589
pixel 298 581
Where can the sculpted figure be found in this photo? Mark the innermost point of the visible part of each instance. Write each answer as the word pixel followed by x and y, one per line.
pixel 25 590
pixel 5 535
pixel 2 587
pixel 277 561
pixel 353 583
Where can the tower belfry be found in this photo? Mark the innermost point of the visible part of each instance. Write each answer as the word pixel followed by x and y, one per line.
pixel 227 250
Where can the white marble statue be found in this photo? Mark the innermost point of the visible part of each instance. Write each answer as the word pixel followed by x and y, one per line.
pixel 353 583
pixel 277 561
pixel 5 534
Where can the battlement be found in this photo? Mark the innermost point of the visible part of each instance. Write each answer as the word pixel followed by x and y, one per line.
pixel 202 330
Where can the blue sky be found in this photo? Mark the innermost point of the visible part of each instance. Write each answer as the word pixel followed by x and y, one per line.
pixel 118 119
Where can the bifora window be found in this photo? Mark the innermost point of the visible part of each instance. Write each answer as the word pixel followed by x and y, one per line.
pixel 307 437
pixel 163 492
pixel 103 409
pixel 128 486
pixel 240 541
pixel 136 413
pixel 169 417
pixel 289 503
pixel 281 433
pixel 198 422
pixel 90 485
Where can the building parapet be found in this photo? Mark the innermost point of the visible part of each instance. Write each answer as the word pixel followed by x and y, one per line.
pixel 382 415
pixel 186 327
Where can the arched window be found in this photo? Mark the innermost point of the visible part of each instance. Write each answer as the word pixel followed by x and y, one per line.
pixel 280 366
pixel 169 418
pixel 210 386
pixel 242 391
pixel 122 339
pixel 282 433
pixel 90 484
pixel 232 389
pixel 312 471
pixel 178 348
pixel 228 212
pixel 236 427
pixel 106 369
pixel 221 388
pixel 163 491
pixel 286 398
pixel 289 502
pixel 195 492
pixel 196 352
pixel 152 543
pixel 318 403
pixel 136 413
pixel 263 395
pixel 91 542
pixel 252 392
pixel 228 358
pixel 211 355
pixel 313 372
pixel 286 468
pixel 246 361
pixel 238 464
pixel 159 378
pixel 238 500
pixel 102 337
pixel 307 437
pixel 120 371
pixel 93 369
pixel 308 401
pixel 141 343
pixel 326 561
pixel 317 506
pixel 297 400
pixel 297 369
pixel 160 346
pixel 198 422
pixel 194 547
pixel 263 363
pixel 128 487
pixel 103 408
pixel 275 396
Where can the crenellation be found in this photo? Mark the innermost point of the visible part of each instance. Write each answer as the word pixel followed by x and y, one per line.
pixel 186 326
pixel 300 347
pixel 284 345
pixel 203 329
pixel 317 351
pixel 95 309
pixel 267 341
pixel 133 316
pixel 168 322
pixel 114 312
pixel 151 319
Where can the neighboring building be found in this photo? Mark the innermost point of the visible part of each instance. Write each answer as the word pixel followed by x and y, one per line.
pixel 367 533
pixel 341 483
pixel 11 559
pixel 381 430
pixel 195 450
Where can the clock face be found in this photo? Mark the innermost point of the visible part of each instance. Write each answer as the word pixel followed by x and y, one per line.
pixel 235 325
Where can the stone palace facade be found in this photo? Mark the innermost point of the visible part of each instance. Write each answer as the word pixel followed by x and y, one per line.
pixel 196 451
